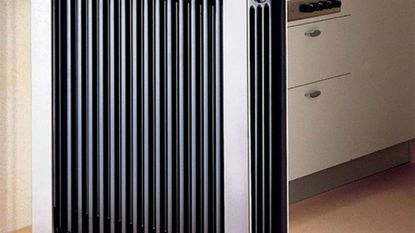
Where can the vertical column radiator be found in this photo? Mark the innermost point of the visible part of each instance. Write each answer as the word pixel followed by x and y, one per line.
pixel 137 116
pixel 267 104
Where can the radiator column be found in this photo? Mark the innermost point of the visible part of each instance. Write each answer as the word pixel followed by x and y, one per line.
pixel 138 116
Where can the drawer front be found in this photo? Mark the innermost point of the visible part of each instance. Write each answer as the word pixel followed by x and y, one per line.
pixel 322 53
pixel 319 129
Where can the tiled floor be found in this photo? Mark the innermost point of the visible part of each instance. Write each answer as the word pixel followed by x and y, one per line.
pixel 384 203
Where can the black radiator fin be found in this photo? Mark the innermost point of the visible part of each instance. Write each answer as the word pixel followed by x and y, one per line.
pixel 138 116
pixel 267 90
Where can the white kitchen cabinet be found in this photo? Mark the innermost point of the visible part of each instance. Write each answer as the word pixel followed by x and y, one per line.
pixel 319 133
pixel 316 57
pixel 370 109
pixel 382 40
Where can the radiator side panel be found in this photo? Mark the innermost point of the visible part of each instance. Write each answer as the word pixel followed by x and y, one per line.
pixel 267 106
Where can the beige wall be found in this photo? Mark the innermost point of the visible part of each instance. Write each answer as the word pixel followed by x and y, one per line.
pixel 15 115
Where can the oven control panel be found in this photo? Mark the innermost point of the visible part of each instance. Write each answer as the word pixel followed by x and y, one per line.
pixel 303 9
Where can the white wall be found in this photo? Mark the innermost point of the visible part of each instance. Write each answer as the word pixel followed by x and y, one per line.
pixel 15 115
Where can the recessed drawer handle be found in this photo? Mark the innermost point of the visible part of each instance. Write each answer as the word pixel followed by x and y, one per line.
pixel 313 94
pixel 313 33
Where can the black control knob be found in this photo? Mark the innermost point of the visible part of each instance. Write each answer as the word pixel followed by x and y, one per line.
pixel 307 8
pixel 336 3
pixel 318 6
pixel 327 4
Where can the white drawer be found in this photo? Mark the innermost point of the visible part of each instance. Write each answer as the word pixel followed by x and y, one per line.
pixel 316 58
pixel 320 129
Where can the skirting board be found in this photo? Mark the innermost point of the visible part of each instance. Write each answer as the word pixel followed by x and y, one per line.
pixel 323 181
